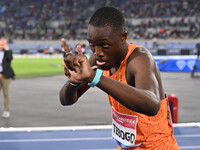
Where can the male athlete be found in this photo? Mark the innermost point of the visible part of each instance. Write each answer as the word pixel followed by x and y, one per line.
pixel 130 77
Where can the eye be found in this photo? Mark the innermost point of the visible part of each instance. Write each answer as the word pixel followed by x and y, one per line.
pixel 91 44
pixel 105 45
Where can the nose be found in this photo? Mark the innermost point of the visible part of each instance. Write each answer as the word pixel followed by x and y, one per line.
pixel 98 51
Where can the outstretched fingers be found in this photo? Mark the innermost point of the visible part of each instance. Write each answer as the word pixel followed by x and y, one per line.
pixel 80 53
pixel 66 49
pixel 79 50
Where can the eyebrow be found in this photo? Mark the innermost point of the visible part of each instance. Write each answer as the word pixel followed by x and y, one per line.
pixel 98 40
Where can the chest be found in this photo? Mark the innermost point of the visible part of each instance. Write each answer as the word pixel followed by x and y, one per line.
pixel 123 75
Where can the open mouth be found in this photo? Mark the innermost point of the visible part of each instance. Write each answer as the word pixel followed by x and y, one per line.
pixel 99 63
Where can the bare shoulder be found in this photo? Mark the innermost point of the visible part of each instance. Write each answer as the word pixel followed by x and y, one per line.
pixel 142 72
pixel 140 59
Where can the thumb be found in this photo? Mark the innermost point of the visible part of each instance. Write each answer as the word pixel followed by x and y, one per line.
pixel 79 50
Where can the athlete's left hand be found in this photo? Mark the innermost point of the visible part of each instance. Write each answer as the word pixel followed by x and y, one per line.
pixel 77 67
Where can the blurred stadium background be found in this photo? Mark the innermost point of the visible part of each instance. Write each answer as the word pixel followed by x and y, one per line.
pixel 167 27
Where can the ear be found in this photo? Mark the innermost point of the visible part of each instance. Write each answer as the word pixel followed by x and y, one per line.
pixel 124 37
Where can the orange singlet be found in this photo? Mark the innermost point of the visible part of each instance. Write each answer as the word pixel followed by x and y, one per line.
pixel 137 130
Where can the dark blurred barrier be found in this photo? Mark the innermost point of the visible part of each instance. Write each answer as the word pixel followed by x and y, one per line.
pixel 40 50
pixel 162 52
pixel 185 51
pixel 24 51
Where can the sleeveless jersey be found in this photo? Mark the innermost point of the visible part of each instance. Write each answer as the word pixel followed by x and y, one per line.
pixel 151 132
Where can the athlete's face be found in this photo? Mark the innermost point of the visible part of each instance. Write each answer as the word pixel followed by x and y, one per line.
pixel 107 45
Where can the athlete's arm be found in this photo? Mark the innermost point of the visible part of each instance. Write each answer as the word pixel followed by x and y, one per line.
pixel 144 97
pixel 69 94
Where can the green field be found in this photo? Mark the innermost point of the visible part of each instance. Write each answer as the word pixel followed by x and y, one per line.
pixel 37 67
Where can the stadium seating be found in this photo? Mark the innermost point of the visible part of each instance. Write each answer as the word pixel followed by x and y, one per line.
pixel 53 19
pixel 146 19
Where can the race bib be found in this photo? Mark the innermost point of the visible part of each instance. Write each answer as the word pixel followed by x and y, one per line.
pixel 124 129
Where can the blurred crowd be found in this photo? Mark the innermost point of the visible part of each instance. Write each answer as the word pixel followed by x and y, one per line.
pixel 53 19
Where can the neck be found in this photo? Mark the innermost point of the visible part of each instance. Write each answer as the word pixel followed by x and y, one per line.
pixel 124 53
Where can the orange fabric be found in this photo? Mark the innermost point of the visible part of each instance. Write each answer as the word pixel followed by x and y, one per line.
pixel 154 132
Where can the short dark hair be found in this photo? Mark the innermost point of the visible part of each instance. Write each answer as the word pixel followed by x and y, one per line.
pixel 108 16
